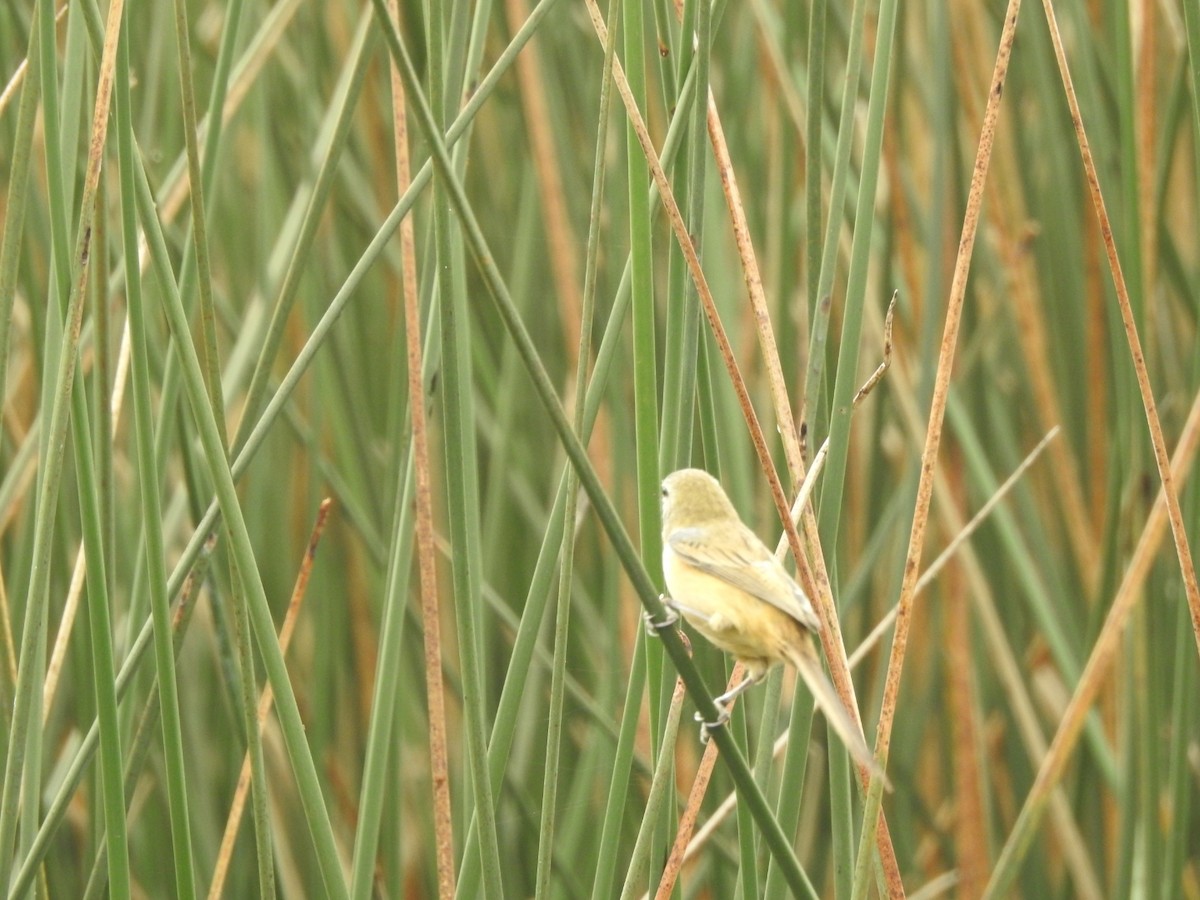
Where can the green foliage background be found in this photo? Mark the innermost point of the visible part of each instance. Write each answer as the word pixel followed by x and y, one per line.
pixel 853 148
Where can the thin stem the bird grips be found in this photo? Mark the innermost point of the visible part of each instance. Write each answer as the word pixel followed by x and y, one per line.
pixel 655 629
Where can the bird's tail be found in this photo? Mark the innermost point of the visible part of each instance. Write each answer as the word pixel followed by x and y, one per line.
pixel 806 661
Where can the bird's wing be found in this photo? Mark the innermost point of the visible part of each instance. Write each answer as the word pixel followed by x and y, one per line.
pixel 746 563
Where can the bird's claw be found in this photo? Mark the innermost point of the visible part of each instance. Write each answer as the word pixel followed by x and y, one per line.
pixel 707 727
pixel 653 628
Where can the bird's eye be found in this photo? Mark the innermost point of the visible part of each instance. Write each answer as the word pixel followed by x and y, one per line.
pixel 664 492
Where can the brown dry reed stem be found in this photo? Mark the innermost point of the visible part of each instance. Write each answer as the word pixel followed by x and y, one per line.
pixel 1097 668
pixel 1161 457
pixel 941 389
pixel 1004 660
pixel 1007 213
pixel 952 548
pixel 754 287
pixel 443 825
pixel 693 263
pixel 758 299
pixel 817 576
pixel 225 854
pixel 831 632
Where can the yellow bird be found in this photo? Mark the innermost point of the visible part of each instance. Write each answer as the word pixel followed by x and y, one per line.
pixel 733 590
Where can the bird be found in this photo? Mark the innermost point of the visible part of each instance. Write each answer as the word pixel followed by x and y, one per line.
pixel 728 586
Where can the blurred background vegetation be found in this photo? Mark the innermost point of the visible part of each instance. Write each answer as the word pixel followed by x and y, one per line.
pixel 268 326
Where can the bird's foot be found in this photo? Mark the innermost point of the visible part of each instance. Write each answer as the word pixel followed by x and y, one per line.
pixel 707 727
pixel 653 628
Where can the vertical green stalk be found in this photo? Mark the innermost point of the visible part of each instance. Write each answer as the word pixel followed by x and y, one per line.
pixel 813 127
pixel 455 403
pixel 533 610
pixel 194 560
pixel 639 861
pixel 866 845
pixel 565 578
pixel 1146 716
pixel 260 613
pixel 764 753
pixel 747 874
pixel 58 164
pixel 197 547
pixel 1124 65
pixel 147 721
pixel 27 696
pixel 846 382
pixel 791 783
pixel 645 355
pixel 1191 21
pixel 380 730
pixel 821 301
pixel 1127 789
pixel 14 215
pixel 458 45
pixel 698 152
pixel 164 655
pixel 645 366
pixel 607 863
pixel 350 88
pixel 683 310
pixel 1183 690
pixel 247 697
pixel 95 528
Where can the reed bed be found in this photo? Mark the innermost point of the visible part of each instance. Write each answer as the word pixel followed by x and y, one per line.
pixel 344 346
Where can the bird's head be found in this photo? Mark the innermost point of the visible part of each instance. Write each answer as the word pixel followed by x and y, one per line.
pixel 692 497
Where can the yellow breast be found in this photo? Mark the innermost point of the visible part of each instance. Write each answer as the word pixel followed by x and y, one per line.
pixel 737 622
